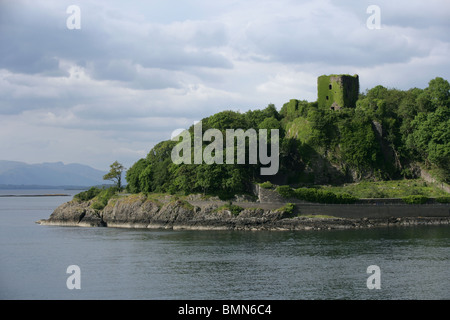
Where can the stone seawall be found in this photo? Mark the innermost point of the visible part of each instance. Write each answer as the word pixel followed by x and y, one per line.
pixel 369 208
pixel 357 211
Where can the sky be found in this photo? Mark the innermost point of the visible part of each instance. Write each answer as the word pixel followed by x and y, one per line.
pixel 110 81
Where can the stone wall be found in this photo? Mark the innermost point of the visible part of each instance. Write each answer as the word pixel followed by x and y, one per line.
pixel 269 199
pixel 356 211
pixel 267 195
pixel 337 91
pixel 428 178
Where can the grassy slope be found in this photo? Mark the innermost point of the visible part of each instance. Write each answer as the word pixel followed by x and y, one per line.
pixel 389 189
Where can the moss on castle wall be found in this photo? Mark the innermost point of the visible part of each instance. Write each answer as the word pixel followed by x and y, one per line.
pixel 337 91
pixel 295 108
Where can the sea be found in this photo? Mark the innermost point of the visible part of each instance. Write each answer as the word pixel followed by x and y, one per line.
pixel 70 263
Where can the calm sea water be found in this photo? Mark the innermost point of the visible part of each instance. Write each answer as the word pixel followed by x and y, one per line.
pixel 145 264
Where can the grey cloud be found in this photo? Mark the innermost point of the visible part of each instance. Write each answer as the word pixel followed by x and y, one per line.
pixel 337 43
pixel 131 75
pixel 35 41
pixel 112 70
pixel 416 14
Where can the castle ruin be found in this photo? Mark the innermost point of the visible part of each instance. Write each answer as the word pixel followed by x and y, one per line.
pixel 337 91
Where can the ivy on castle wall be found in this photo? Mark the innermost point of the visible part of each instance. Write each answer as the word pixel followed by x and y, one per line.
pixel 340 89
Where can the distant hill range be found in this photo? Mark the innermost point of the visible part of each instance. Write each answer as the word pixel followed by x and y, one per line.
pixel 14 174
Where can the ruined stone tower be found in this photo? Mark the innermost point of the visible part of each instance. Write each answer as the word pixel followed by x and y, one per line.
pixel 337 91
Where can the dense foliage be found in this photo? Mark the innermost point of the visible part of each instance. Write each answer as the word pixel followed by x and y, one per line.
pixel 88 194
pixel 99 196
pixel 415 199
pixel 101 200
pixel 382 138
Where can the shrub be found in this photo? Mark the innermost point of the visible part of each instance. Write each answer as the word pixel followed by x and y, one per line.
pixel 415 199
pixel 185 204
pixel 88 194
pixel 315 195
pixel 306 194
pixel 234 209
pixel 323 196
pixel 346 198
pixel 443 199
pixel 285 191
pixel 266 185
pixel 103 198
pixel 288 208
pixel 98 205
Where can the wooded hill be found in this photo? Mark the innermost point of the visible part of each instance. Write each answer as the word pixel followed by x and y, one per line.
pixel 388 135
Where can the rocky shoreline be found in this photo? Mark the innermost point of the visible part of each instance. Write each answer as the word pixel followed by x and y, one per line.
pixel 138 211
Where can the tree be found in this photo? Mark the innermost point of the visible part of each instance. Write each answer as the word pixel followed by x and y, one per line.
pixel 133 175
pixel 431 138
pixel 358 143
pixel 145 179
pixel 115 174
pixel 436 95
pixel 205 177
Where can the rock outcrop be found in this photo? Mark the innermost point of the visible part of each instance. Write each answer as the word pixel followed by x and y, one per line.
pixel 139 211
pixel 75 213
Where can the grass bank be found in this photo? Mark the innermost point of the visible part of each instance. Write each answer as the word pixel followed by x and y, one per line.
pixel 388 189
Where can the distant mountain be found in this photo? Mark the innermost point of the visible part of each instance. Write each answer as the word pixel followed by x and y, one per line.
pixel 14 173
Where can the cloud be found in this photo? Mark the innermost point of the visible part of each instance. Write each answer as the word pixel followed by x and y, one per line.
pixel 135 72
pixel 324 32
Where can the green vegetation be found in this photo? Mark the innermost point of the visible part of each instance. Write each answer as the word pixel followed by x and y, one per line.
pixel 388 189
pixel 288 209
pixel 183 203
pixel 384 137
pixel 99 196
pixel 266 185
pixel 444 199
pixel 342 89
pixel 285 191
pixel 115 174
pixel 415 199
pixel 315 195
pixel 234 209
pixel 101 200
pixel 88 194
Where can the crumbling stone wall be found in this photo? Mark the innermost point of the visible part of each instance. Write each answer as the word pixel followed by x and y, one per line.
pixel 337 91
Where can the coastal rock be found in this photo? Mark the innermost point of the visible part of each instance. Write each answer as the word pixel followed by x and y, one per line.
pixel 170 212
pixel 134 210
pixel 75 213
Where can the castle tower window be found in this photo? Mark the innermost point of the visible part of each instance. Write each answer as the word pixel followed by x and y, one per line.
pixel 330 86
pixel 328 98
